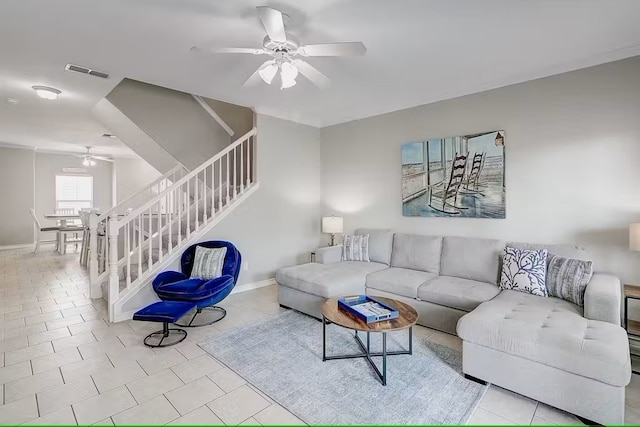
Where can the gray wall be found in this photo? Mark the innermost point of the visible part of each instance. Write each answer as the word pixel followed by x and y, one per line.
pixel 16 192
pixel 175 120
pixel 572 162
pixel 132 175
pixel 48 165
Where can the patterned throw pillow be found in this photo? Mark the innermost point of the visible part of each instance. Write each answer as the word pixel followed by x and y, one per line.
pixel 568 278
pixel 208 263
pixel 355 248
pixel 524 270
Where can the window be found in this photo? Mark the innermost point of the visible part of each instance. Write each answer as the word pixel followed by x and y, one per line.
pixel 74 192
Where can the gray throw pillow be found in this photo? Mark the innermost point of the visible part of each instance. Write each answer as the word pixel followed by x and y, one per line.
pixel 208 263
pixel 355 248
pixel 568 278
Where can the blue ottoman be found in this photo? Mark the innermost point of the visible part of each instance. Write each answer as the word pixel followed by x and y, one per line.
pixel 165 312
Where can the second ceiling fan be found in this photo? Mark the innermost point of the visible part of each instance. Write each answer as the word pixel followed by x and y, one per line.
pixel 285 53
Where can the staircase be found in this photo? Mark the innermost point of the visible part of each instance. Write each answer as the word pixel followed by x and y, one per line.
pixel 148 232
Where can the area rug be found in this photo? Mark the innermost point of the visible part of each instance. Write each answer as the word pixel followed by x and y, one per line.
pixel 282 356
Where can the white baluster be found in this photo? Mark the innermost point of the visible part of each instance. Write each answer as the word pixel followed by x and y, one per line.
pixel 179 194
pixel 150 239
pixel 235 172
pixel 196 183
pixel 139 247
pixel 170 219
pixel 127 252
pixel 249 166
pixel 160 231
pixel 220 183
pixel 241 167
pixel 227 181
pixel 188 207
pixel 114 282
pixel 95 290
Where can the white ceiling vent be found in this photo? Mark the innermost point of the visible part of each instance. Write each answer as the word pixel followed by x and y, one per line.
pixel 85 70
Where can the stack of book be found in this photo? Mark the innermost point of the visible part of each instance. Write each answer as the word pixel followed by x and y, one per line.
pixel 633 332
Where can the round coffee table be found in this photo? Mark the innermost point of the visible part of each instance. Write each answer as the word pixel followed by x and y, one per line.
pixel 407 317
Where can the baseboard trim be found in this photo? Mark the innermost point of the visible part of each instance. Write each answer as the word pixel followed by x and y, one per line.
pixel 24 245
pixel 236 290
pixel 250 286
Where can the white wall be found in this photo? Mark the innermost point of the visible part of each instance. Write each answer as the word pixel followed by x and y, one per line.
pixel 16 193
pixel 279 224
pixel 132 175
pixel 572 162
pixel 48 165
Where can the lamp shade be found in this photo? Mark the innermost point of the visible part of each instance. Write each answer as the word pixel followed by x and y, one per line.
pixel 634 237
pixel 332 224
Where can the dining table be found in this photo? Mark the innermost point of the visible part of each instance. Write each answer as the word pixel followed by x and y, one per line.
pixel 62 221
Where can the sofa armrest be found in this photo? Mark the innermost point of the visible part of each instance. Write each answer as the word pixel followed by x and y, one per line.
pixel 329 254
pixel 602 298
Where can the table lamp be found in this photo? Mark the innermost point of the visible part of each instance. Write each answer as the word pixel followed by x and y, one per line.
pixel 332 225
pixel 634 237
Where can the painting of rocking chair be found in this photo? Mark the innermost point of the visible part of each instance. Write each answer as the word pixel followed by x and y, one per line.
pixel 461 176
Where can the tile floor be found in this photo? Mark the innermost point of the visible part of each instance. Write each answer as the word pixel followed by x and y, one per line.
pixel 62 362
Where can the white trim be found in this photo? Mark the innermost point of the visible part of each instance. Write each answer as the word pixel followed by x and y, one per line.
pixel 240 288
pixel 213 114
pixel 21 246
pixel 251 286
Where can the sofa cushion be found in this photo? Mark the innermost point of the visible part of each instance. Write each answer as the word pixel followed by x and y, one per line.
pixel 416 252
pixel 565 251
pixel 328 280
pixel 457 293
pixel 470 258
pixel 550 331
pixel 380 243
pixel 400 281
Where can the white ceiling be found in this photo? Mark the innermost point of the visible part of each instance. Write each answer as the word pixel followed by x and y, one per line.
pixel 419 51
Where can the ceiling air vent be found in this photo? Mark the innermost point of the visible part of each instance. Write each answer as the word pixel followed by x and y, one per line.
pixel 85 70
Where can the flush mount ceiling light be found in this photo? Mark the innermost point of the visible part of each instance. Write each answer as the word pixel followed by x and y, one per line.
pixel 46 92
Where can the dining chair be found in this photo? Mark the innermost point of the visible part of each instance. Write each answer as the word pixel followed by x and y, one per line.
pixel 86 239
pixel 40 229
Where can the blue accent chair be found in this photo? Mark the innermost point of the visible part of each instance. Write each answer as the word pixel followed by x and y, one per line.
pixel 178 286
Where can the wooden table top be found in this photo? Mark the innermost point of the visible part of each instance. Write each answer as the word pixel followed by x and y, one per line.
pixel 407 316
pixel 632 291
pixel 61 216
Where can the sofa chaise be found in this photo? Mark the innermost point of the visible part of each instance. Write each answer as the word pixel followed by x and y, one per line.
pixel 570 357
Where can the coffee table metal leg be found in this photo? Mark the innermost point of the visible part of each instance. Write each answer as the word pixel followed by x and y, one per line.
pixel 410 339
pixel 368 342
pixel 324 339
pixel 384 358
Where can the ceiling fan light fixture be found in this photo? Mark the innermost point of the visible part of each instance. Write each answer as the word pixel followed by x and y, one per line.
pixel 268 72
pixel 85 162
pixel 288 74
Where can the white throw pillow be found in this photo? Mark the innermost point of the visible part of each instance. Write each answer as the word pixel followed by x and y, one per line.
pixel 524 270
pixel 355 248
pixel 208 262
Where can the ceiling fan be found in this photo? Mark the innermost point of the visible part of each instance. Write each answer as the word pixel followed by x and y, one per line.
pixel 285 53
pixel 89 159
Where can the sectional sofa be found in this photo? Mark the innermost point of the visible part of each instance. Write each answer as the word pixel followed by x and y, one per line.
pixel 574 358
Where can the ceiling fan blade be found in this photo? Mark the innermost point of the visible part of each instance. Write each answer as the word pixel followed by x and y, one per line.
pixel 248 50
pixel 311 73
pixel 104 159
pixel 333 49
pixel 273 23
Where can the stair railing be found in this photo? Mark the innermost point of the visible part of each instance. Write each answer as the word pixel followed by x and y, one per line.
pixel 140 240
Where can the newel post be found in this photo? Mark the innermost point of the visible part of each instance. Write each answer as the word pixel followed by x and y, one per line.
pixel 95 290
pixel 114 280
